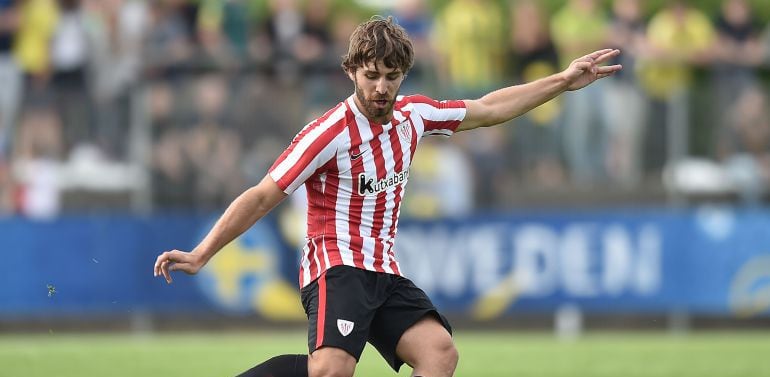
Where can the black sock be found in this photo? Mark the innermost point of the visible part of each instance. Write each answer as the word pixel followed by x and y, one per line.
pixel 280 366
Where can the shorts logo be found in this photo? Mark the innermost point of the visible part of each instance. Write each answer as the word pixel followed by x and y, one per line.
pixel 345 327
pixel 405 131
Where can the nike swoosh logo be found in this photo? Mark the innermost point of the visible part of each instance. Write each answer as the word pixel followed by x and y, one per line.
pixel 356 156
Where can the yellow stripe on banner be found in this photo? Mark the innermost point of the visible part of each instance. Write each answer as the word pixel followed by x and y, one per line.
pixel 494 302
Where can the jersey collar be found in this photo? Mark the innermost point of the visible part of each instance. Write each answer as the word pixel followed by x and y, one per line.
pixel 397 118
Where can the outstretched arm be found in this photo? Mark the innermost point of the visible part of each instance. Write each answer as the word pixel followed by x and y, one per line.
pixel 505 104
pixel 242 213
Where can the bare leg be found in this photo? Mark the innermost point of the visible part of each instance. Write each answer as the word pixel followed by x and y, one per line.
pixel 331 362
pixel 428 348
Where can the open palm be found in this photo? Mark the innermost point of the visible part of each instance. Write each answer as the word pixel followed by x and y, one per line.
pixel 587 69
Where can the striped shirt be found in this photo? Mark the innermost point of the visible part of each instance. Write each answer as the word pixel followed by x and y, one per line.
pixel 355 171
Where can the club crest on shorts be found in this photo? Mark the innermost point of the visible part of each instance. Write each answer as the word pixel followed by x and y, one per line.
pixel 405 130
pixel 345 326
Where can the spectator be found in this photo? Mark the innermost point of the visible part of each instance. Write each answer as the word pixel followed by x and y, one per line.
pixel 414 16
pixel 10 73
pixel 222 32
pixel 38 19
pixel 736 57
pixel 213 147
pixel 160 106
pixel 235 26
pixel 168 45
pixel 581 25
pixel 441 182
pixel 119 31
pixel 744 146
pixel 72 56
pixel 535 147
pixel 679 37
pixel 626 104
pixel 342 25
pixel 764 48
pixel 172 176
pixel 40 134
pixel 314 39
pixel 6 189
pixel 313 53
pixel 38 152
pixel 470 46
pixel 284 26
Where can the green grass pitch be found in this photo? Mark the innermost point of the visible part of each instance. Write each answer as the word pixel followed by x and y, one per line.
pixel 491 354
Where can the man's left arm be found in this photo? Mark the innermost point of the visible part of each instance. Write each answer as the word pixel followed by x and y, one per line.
pixel 505 104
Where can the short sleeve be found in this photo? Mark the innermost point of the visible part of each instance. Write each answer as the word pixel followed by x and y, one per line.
pixel 439 117
pixel 313 147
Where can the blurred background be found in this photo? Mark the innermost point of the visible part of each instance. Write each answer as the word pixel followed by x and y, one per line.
pixel 127 126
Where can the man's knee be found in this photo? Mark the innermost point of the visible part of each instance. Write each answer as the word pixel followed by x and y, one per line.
pixel 331 362
pixel 441 358
pixel 428 348
pixel 446 355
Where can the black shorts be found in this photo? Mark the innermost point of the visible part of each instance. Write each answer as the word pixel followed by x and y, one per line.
pixel 347 307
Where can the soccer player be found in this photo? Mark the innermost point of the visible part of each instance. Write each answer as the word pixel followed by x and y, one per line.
pixel 354 161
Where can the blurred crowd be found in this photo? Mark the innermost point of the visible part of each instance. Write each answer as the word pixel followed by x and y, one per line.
pixel 182 104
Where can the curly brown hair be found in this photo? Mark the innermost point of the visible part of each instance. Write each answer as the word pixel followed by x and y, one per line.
pixel 379 39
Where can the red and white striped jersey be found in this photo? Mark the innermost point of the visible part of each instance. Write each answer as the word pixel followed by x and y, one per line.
pixel 355 172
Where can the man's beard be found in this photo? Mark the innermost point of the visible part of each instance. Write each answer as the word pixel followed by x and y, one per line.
pixel 371 111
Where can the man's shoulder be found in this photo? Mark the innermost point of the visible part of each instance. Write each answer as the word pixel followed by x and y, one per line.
pixel 335 116
pixel 410 98
pixel 408 101
pixel 327 126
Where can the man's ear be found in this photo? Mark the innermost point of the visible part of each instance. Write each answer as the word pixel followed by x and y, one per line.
pixel 351 74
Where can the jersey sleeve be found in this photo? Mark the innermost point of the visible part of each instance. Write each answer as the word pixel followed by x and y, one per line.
pixel 313 147
pixel 439 117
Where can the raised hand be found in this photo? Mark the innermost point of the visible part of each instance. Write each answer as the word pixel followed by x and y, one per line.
pixel 587 69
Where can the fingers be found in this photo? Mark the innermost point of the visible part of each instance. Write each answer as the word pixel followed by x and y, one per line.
pixel 166 262
pixel 609 69
pixel 603 72
pixel 606 54
pixel 590 58
pixel 589 63
pixel 165 272
pixel 601 55
pixel 162 258
pixel 158 261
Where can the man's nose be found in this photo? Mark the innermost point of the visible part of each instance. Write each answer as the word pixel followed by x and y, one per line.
pixel 382 86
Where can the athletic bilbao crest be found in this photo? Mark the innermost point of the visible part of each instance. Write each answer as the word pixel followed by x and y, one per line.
pixel 405 130
pixel 345 327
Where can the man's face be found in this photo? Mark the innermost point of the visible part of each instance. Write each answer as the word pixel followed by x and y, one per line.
pixel 376 89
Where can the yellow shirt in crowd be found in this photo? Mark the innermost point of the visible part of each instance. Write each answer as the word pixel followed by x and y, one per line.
pixel 574 32
pixel 38 21
pixel 677 43
pixel 469 36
